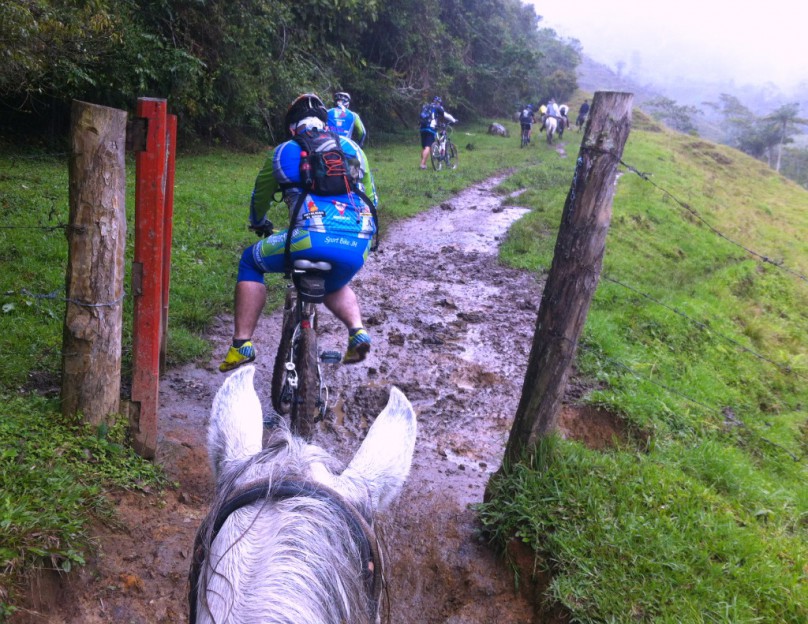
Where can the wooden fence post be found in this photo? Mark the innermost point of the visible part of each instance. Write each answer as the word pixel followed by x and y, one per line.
pixel 91 344
pixel 575 270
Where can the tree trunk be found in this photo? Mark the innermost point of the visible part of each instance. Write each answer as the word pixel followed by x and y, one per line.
pixel 574 272
pixel 91 347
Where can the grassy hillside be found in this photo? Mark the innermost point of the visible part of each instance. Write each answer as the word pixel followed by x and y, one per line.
pixel 701 349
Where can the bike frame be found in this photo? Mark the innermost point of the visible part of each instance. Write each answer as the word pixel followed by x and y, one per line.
pixel 297 380
pixel 445 151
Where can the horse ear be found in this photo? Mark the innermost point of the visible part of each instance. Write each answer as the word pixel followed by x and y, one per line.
pixel 235 428
pixel 384 458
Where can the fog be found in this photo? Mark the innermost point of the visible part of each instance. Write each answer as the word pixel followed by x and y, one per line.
pixel 695 40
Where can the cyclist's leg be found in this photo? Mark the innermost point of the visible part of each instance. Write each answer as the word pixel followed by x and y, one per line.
pixel 347 254
pixel 427 139
pixel 266 256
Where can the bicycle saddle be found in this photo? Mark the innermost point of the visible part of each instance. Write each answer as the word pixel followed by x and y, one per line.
pixel 308 265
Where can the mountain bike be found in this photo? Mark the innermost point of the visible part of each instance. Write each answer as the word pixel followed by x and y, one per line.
pixel 297 380
pixel 525 135
pixel 444 152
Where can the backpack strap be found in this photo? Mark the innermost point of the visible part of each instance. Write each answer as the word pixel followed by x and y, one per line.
pixel 375 245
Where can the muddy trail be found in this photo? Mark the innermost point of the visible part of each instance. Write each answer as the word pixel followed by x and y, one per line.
pixel 452 328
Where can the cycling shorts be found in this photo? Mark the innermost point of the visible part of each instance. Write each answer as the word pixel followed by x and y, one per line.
pixel 427 137
pixel 345 252
pixel 526 126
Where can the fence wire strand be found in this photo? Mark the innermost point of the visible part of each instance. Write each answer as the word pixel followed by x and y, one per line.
pixel 734 419
pixel 717 232
pixel 705 327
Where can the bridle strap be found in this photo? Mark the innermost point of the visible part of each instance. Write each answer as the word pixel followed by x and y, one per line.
pixel 361 531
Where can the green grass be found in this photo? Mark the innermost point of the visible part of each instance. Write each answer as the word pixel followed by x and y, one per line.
pixel 691 533
pixel 53 479
pixel 709 522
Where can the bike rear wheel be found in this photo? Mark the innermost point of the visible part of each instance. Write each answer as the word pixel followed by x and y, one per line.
pixel 451 156
pixel 282 393
pixel 525 139
pixel 437 161
pixel 306 407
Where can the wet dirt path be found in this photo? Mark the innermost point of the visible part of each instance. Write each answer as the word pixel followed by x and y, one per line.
pixel 451 328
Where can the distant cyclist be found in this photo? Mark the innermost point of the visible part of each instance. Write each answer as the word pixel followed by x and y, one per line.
pixel 527 119
pixel 345 122
pixel 582 114
pixel 432 115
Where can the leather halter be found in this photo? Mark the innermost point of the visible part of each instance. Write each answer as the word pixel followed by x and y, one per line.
pixel 362 533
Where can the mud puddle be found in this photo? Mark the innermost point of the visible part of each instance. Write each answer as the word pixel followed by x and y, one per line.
pixel 451 328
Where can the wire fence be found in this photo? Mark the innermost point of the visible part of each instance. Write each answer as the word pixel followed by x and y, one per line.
pixel 727 414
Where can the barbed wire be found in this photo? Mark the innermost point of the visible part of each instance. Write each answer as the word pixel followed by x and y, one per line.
pixel 705 327
pixel 55 295
pixel 730 417
pixel 45 156
pixel 60 226
pixel 717 232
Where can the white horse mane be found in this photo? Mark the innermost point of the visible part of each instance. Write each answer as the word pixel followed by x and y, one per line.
pixel 293 559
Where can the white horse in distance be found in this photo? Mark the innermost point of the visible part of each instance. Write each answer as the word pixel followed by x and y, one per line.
pixel 550 125
pixel 289 538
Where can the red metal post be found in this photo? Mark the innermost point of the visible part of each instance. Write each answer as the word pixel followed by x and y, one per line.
pixel 147 275
pixel 168 231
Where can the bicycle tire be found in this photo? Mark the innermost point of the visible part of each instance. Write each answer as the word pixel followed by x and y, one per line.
pixel 451 155
pixel 281 403
pixel 306 409
pixel 525 139
pixel 437 161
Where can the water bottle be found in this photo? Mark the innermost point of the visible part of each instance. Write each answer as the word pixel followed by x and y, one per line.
pixel 305 170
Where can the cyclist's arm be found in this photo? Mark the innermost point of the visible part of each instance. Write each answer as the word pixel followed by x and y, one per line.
pixel 367 179
pixel 264 191
pixel 361 131
pixel 366 182
pixel 449 118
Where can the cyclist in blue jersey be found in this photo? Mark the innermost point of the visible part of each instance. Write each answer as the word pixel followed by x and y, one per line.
pixel 337 228
pixel 432 115
pixel 345 122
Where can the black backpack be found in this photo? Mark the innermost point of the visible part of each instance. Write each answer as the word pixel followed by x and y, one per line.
pixel 324 171
pixel 427 115
pixel 524 117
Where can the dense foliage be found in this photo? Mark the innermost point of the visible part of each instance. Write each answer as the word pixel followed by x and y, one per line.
pixel 228 67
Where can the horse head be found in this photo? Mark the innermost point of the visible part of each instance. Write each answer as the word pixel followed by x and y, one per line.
pixel 290 536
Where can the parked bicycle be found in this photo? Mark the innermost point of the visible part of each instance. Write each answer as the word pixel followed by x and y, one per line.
pixel 297 380
pixel 444 152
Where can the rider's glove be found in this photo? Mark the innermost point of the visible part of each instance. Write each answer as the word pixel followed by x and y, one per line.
pixel 263 229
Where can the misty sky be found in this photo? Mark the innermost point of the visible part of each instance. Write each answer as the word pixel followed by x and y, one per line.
pixel 714 39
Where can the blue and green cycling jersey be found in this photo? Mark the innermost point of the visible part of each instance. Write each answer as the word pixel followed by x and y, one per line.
pixel 345 122
pixel 345 213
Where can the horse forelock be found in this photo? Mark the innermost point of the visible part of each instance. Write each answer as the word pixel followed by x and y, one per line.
pixel 290 560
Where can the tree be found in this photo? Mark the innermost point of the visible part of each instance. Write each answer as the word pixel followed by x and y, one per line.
pixel 785 120
pixel 678 117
